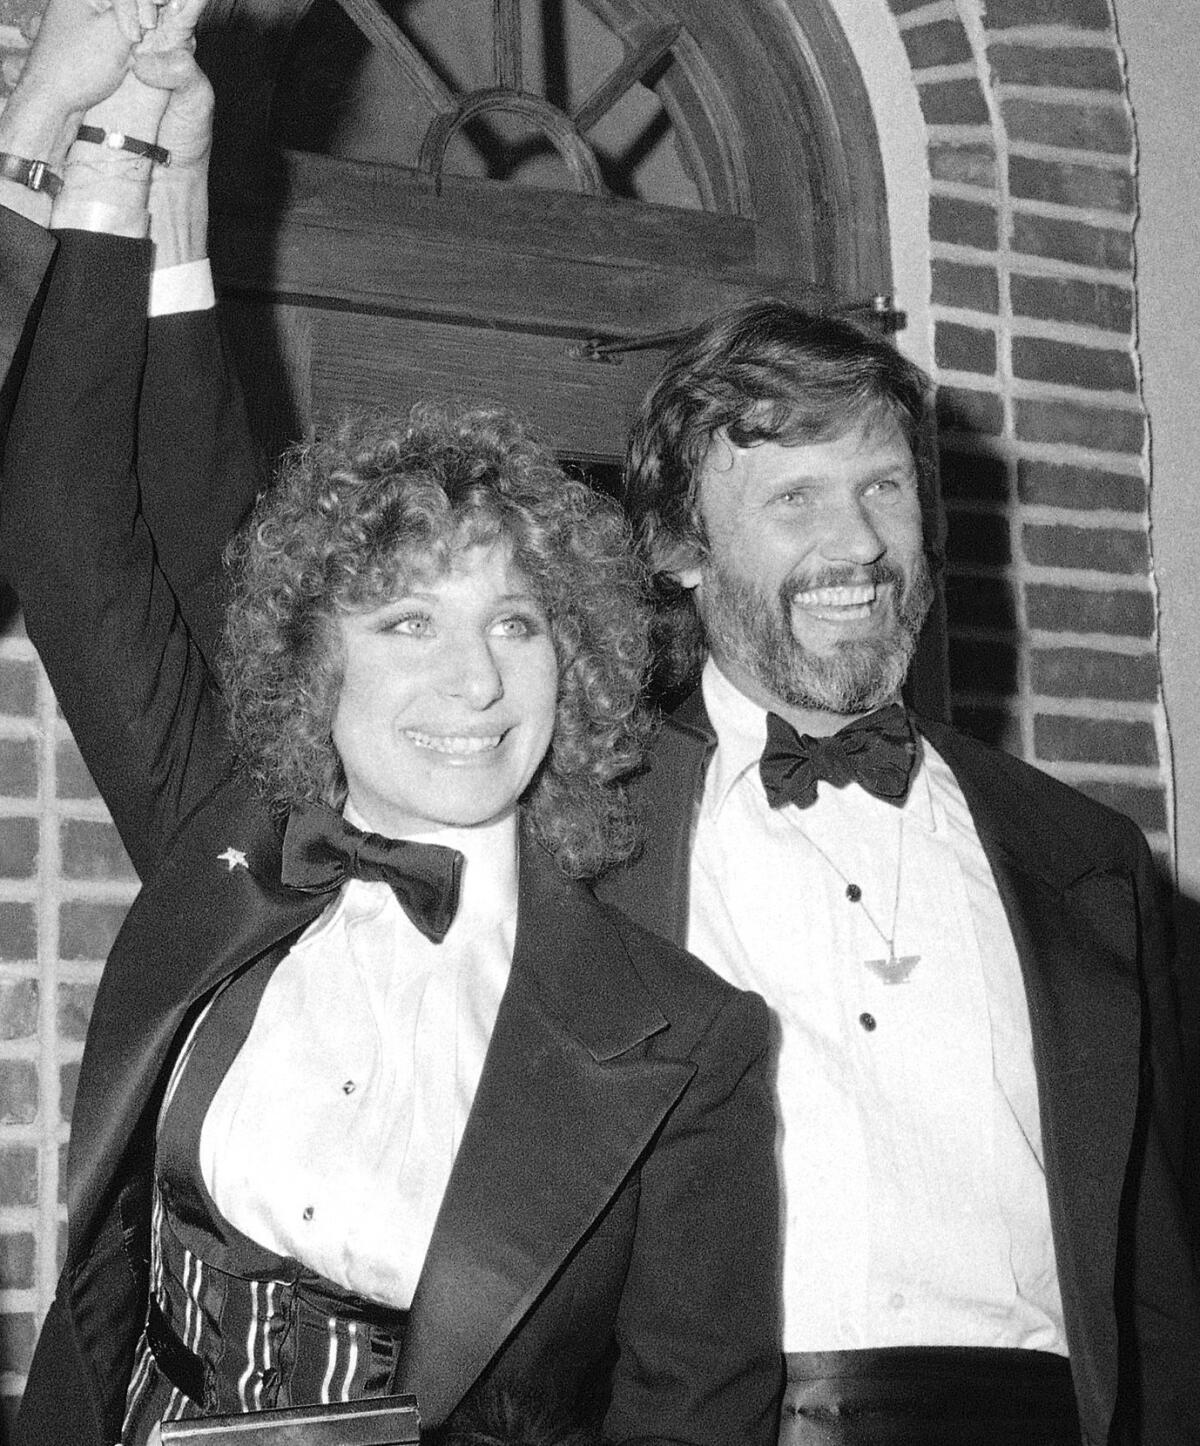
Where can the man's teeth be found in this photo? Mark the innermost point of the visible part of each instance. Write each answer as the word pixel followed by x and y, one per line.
pixel 836 597
pixel 454 743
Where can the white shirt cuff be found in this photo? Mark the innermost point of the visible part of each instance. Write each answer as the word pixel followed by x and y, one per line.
pixel 186 287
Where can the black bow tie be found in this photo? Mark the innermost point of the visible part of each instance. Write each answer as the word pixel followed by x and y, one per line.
pixel 321 851
pixel 877 752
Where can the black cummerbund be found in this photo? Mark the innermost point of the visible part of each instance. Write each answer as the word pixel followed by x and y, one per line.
pixel 928 1396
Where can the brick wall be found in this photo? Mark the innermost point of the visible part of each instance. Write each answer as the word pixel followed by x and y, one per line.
pixel 1052 608
pixel 1050 589
pixel 64 885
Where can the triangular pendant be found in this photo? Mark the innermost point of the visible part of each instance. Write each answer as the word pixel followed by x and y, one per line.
pixel 893 970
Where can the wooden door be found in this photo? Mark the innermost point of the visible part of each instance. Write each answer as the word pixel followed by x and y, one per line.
pixel 476 197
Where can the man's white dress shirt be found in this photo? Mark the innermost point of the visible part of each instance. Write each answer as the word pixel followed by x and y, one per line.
pixel 915 1208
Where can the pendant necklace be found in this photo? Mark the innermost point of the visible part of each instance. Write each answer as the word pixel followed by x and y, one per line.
pixel 894 969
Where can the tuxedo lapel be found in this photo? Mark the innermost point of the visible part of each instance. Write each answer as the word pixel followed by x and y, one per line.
pixel 214 905
pixel 1073 919
pixel 560 1117
pixel 654 889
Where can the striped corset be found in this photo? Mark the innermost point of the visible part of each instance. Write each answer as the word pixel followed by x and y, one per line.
pixel 262 1330
pixel 269 1341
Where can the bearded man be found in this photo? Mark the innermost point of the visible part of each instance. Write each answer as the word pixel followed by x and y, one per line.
pixel 978 1068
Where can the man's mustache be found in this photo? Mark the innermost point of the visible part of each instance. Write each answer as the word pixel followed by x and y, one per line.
pixel 877 574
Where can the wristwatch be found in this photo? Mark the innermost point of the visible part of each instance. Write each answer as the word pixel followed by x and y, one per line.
pixel 37 175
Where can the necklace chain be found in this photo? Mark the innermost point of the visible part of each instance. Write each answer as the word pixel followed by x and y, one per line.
pixel 893 969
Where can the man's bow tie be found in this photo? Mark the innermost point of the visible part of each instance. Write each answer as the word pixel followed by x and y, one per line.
pixel 878 752
pixel 321 851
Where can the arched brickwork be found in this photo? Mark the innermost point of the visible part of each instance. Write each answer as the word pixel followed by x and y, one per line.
pixel 1050 589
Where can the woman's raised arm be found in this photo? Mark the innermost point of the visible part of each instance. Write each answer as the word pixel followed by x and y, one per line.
pixel 129 678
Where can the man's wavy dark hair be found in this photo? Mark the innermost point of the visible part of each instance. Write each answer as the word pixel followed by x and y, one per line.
pixel 762 372
pixel 381 498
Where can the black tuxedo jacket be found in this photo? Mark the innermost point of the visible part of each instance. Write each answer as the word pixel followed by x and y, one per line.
pixel 25 254
pixel 612 1210
pixel 1076 883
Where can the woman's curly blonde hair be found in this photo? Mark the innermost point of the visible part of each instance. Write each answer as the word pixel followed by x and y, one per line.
pixel 351 517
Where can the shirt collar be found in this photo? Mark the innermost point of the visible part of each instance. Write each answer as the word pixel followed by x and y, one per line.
pixel 741 729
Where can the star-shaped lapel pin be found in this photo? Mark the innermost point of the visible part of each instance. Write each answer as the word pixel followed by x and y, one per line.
pixel 233 859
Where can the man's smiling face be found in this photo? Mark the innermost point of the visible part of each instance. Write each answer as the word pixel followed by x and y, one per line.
pixel 815 583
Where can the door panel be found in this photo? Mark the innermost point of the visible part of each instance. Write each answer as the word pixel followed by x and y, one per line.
pixel 584 406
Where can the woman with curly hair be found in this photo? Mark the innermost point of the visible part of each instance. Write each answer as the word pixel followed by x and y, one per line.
pixel 382 503
pixel 376 1096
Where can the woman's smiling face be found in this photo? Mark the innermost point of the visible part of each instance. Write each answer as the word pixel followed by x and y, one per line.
pixel 448 697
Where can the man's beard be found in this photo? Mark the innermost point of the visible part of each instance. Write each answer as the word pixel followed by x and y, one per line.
pixel 745 626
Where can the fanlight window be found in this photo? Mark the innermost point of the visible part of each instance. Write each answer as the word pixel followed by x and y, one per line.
pixel 542 93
